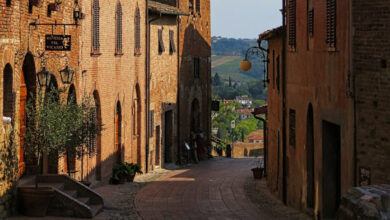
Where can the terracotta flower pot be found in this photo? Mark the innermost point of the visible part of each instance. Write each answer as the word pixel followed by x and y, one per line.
pixel 36 3
pixel 258 172
pixel 34 201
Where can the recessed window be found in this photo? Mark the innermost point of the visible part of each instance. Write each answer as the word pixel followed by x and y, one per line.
pixel 331 23
pixel 191 5
pixel 172 47
pixel 196 67
pixel 310 22
pixel 118 45
pixel 198 7
pixel 161 47
pixel 278 73
pixel 292 121
pixel 292 27
pixel 137 32
pixel 8 3
pixel 95 27
pixel 8 97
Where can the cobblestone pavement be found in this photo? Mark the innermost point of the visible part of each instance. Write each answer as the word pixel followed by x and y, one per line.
pixel 215 189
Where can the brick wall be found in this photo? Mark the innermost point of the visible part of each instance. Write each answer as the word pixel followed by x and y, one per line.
pixel 371 56
pixel 163 91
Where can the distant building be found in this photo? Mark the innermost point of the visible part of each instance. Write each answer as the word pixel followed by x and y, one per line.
pixel 244 100
pixel 243 114
pixel 255 139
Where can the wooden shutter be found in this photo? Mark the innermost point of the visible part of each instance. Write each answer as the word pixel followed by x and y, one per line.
pixel 118 28
pixel 292 8
pixel 198 6
pixel 95 26
pixel 161 47
pixel 172 47
pixel 292 138
pixel 331 23
pixel 137 32
pixel 310 22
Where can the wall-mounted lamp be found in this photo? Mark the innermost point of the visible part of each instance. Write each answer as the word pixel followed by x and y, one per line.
pixel 258 51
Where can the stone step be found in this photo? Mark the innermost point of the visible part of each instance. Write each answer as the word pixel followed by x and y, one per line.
pixel 72 193
pixel 84 200
pixel 96 209
pixel 59 186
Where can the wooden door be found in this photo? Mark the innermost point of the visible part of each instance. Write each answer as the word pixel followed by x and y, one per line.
pixel 22 116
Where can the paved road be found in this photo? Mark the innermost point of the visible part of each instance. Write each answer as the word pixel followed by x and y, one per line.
pixel 214 189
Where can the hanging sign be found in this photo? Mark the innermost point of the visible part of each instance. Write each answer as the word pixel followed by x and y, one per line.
pixel 58 42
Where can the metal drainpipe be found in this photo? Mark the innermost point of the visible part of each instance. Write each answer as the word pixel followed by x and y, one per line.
pixel 284 138
pixel 178 20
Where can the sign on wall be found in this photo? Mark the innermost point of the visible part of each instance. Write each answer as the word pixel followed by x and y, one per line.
pixel 58 42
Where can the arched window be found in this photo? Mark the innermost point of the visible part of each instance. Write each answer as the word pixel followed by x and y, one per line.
pixel 137 32
pixel 7 92
pixel 95 27
pixel 118 46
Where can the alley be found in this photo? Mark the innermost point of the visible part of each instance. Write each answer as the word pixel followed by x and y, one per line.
pixel 216 189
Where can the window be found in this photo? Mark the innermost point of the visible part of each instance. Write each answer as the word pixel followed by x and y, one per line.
pixel 198 6
pixel 310 22
pixel 151 123
pixel 292 8
pixel 273 68
pixel 278 73
pixel 95 27
pixel 331 23
pixel 137 32
pixel 191 5
pixel 118 45
pixel 292 128
pixel 8 3
pixel 172 47
pixel 161 47
pixel 8 96
pixel 196 67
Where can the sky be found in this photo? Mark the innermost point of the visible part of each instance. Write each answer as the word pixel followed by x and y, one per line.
pixel 244 18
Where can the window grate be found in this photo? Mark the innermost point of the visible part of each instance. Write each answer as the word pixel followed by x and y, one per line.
pixel 137 32
pixel 310 22
pixel 161 47
pixel 96 26
pixel 172 47
pixel 292 138
pixel 118 47
pixel 292 22
pixel 331 23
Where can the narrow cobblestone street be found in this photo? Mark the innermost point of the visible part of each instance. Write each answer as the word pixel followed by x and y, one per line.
pixel 215 189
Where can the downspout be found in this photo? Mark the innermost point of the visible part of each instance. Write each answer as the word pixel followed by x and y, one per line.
pixel 284 55
pixel 353 95
pixel 178 22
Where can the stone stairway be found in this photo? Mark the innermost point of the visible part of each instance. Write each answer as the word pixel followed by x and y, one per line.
pixel 71 198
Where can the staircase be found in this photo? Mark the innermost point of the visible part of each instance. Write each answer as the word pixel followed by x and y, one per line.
pixel 71 198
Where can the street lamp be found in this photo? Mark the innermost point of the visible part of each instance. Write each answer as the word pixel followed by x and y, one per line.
pixel 67 75
pixel 258 51
pixel 44 77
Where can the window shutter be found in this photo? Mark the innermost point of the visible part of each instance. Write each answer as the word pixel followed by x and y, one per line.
pixel 172 48
pixel 95 26
pixel 196 67
pixel 292 22
pixel 310 22
pixel 161 47
pixel 331 23
pixel 292 128
pixel 119 29
pixel 198 6
pixel 137 32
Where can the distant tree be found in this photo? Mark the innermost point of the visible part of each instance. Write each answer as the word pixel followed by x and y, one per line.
pixel 216 80
pixel 230 81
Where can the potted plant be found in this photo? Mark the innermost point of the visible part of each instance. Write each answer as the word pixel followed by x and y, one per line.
pixel 258 170
pixel 219 149
pixel 36 3
pixel 123 172
pixel 133 170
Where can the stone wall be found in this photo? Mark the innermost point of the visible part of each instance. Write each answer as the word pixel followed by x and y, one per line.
pixel 371 68
pixel 241 150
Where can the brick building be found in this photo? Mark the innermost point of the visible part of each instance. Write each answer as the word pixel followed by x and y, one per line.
pixel 164 69
pixel 323 138
pixel 194 71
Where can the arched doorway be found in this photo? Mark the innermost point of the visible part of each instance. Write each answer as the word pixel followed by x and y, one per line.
pixel 52 158
pixel 98 169
pixel 195 116
pixel 137 122
pixel 118 133
pixel 27 162
pixel 8 97
pixel 310 158
pixel 70 157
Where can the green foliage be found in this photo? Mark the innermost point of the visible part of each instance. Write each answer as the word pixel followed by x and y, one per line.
pixel 216 80
pixel 253 89
pixel 258 103
pixel 126 169
pixel 244 127
pixel 230 46
pixel 55 126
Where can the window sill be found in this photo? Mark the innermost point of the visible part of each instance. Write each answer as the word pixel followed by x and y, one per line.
pixel 119 54
pixel 332 49
pixel 95 54
pixel 292 49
